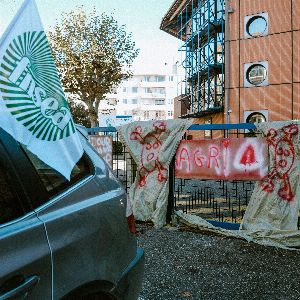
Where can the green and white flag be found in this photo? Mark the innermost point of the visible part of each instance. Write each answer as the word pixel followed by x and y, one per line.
pixel 33 107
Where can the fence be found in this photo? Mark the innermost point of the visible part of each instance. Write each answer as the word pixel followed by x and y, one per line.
pixel 221 202
pixel 123 165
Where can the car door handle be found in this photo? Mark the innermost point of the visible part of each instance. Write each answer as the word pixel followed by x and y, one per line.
pixel 22 289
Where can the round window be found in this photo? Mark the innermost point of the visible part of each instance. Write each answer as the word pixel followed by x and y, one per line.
pixel 256 74
pixel 256 26
pixel 256 118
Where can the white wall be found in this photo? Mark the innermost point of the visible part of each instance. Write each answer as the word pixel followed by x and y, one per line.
pixel 149 92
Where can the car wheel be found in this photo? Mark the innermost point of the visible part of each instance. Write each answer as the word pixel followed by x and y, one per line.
pixel 98 296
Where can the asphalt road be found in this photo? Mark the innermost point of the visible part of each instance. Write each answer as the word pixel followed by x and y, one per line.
pixel 204 265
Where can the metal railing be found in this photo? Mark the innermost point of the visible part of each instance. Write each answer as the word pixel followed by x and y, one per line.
pixel 221 202
pixel 123 164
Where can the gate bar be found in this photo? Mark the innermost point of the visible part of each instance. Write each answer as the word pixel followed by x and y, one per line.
pixel 193 127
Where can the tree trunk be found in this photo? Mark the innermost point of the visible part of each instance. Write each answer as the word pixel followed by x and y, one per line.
pixel 94 121
pixel 93 115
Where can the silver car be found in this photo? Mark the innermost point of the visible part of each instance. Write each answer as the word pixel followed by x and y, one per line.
pixel 61 239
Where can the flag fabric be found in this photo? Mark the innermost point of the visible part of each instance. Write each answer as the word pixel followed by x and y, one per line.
pixel 33 107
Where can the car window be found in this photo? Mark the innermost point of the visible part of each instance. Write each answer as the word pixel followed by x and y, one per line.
pixel 10 204
pixel 52 180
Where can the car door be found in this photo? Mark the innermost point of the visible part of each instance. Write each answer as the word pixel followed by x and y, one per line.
pixel 25 257
pixel 86 224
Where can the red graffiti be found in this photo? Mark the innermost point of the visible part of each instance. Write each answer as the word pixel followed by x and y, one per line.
pixel 199 158
pixel 151 146
pixel 248 157
pixel 226 143
pixel 214 153
pixel 184 158
pixel 284 157
pixel 244 158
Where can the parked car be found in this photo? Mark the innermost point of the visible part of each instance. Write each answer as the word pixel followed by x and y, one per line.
pixel 61 239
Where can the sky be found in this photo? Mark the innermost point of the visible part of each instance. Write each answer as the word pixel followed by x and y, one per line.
pixel 158 50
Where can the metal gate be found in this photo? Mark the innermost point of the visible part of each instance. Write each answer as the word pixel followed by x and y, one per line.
pixel 220 202
pixel 123 164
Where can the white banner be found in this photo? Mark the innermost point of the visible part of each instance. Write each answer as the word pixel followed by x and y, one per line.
pixel 33 107
pixel 152 145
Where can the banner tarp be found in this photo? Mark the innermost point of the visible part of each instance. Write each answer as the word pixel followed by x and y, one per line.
pixel 272 214
pixel 274 204
pixel 152 145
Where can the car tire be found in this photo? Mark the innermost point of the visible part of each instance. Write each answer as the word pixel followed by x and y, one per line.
pixel 98 296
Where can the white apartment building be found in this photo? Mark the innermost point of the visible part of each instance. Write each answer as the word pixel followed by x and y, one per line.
pixel 144 97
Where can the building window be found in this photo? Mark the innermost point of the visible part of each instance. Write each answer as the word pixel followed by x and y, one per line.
pixel 256 25
pixel 124 89
pixel 160 78
pixel 207 133
pixel 170 101
pixel 171 78
pixel 134 101
pixel 256 117
pixel 159 114
pixel 134 89
pixel 159 102
pixel 148 90
pixel 160 90
pixel 256 74
pixel 147 78
pixel 170 113
pixel 124 101
pixel 146 114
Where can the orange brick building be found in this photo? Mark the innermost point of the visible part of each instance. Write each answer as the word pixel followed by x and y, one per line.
pixel 241 59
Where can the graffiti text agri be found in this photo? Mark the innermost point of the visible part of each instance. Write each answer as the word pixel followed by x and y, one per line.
pixel 232 159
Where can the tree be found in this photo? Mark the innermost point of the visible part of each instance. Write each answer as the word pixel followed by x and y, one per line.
pixel 93 55
pixel 79 113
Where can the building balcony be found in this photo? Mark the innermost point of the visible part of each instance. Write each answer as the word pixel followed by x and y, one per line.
pixel 153 84
pixel 153 107
pixel 152 95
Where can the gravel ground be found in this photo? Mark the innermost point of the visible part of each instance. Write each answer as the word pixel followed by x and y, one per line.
pixel 202 265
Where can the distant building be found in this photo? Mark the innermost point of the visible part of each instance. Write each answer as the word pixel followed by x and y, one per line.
pixel 144 97
pixel 241 59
